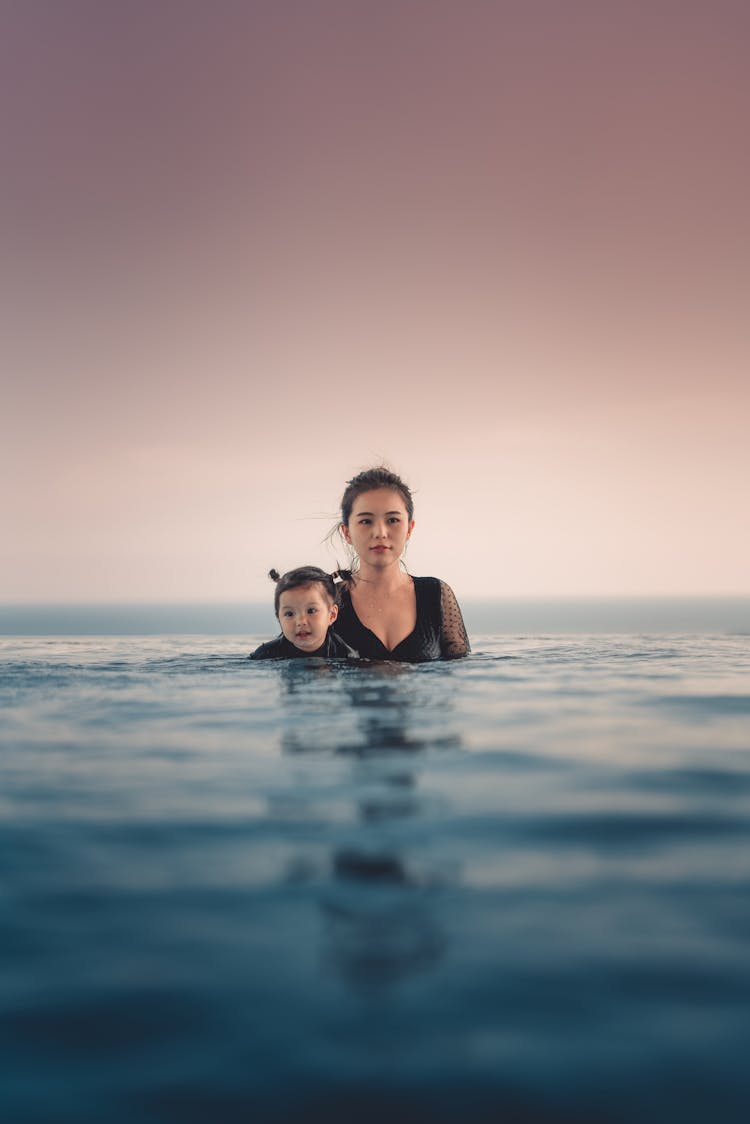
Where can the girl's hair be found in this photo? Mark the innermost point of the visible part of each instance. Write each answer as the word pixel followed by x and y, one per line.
pixel 367 481
pixel 306 575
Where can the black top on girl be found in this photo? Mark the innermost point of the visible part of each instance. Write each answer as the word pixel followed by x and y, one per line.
pixel 384 612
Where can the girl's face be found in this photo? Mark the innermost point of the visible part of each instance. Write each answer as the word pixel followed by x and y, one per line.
pixel 379 527
pixel 305 614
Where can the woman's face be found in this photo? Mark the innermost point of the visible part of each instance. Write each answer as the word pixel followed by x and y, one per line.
pixel 378 527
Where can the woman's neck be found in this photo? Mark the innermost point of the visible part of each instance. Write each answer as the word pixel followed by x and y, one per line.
pixel 376 580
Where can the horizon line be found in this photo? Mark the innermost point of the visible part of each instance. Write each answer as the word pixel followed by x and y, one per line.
pixel 238 600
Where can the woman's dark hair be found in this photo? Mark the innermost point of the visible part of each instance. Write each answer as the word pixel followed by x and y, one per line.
pixel 367 481
pixel 302 576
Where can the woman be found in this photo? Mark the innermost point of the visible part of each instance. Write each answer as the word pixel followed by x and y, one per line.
pixel 385 613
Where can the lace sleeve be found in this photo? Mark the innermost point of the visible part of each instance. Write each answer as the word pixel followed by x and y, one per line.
pixel 453 639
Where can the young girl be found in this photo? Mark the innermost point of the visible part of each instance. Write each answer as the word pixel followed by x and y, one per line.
pixel 306 605
pixel 384 612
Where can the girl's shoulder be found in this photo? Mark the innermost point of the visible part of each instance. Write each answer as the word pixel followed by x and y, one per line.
pixel 276 649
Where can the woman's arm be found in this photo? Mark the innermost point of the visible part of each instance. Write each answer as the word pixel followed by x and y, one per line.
pixel 454 642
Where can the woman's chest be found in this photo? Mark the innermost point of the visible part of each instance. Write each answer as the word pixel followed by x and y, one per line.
pixel 392 617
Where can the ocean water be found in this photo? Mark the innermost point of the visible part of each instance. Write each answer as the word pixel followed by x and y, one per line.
pixel 509 616
pixel 511 888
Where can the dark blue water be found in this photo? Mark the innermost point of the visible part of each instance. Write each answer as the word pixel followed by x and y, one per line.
pixel 516 887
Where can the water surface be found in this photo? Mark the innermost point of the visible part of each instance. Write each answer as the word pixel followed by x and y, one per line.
pixel 511 887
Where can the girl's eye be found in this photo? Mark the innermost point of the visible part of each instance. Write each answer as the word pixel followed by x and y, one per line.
pixel 312 610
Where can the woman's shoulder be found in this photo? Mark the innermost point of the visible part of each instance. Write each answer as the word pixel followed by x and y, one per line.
pixel 431 581
pixel 435 586
pixel 428 586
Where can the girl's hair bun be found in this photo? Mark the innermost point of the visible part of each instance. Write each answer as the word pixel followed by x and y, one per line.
pixel 274 575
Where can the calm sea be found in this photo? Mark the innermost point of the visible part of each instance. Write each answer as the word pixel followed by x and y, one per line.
pixel 557 615
pixel 512 888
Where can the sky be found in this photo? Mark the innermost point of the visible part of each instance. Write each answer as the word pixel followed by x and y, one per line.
pixel 249 249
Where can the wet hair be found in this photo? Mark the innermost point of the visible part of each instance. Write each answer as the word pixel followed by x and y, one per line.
pixel 368 481
pixel 307 575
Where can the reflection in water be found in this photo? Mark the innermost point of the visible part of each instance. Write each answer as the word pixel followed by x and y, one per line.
pixel 385 807
pixel 378 924
pixel 369 868
pixel 296 675
pixel 374 948
pixel 363 710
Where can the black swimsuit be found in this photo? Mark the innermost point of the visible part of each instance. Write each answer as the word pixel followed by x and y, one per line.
pixel 332 648
pixel 438 633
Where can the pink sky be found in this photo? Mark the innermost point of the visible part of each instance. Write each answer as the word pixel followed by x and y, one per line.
pixel 249 249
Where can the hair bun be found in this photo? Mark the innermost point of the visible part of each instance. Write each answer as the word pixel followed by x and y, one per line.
pixel 274 575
